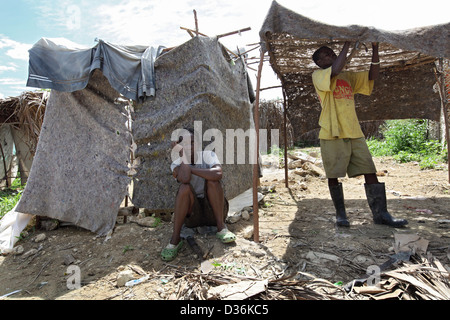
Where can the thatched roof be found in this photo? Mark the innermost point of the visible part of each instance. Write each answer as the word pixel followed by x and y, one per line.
pixel 12 107
pixel 408 65
pixel 291 39
pixel 26 112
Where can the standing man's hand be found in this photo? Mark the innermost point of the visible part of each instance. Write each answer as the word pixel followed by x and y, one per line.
pixel 339 62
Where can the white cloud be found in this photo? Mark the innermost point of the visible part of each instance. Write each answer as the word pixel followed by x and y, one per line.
pixel 2 96
pixel 15 49
pixel 12 82
pixel 158 22
pixel 7 68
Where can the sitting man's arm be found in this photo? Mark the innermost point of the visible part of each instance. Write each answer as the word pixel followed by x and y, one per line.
pixel 182 173
pixel 214 173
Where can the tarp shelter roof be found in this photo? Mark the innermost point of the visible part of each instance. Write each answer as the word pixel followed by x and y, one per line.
pixel 292 39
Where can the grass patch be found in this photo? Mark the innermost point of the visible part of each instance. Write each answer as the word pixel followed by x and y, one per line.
pixel 406 141
pixel 10 196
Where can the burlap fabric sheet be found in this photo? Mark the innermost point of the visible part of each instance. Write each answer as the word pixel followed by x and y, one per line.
pixel 79 173
pixel 197 81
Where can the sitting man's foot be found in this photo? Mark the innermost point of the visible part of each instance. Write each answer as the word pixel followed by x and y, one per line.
pixel 226 236
pixel 170 252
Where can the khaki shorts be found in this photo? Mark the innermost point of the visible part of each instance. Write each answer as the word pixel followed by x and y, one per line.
pixel 202 213
pixel 346 156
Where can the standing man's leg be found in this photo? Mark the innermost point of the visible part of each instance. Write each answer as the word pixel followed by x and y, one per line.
pixel 376 197
pixel 362 161
pixel 335 157
pixel 337 195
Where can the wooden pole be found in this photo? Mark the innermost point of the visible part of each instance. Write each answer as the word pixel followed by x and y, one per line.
pixel 196 23
pixel 233 32
pixel 256 165
pixel 198 33
pixel 286 183
pixel 4 165
pixel 440 79
pixel 444 110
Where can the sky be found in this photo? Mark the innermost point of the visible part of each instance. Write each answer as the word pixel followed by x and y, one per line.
pixel 156 22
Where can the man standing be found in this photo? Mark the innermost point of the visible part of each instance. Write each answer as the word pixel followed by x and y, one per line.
pixel 200 199
pixel 342 142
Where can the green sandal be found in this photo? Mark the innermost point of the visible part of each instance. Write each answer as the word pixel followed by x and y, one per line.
pixel 226 236
pixel 171 251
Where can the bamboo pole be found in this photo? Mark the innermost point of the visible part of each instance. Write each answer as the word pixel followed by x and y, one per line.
pixel 286 181
pixel 440 79
pixel 198 33
pixel 196 22
pixel 444 103
pixel 4 165
pixel 255 165
pixel 233 32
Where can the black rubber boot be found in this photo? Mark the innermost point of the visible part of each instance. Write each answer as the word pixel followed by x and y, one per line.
pixel 376 197
pixel 337 195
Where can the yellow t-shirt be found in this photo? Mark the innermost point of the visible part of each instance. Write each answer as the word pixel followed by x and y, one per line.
pixel 338 119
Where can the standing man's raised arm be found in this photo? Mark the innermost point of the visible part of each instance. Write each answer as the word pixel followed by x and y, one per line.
pixel 339 63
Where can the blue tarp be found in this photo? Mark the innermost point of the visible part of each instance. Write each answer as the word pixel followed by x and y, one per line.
pixel 129 69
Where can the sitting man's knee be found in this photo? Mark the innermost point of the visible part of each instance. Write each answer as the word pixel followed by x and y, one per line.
pixel 213 185
pixel 184 189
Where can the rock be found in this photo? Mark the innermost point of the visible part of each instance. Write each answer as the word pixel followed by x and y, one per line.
pixel 29 253
pixel 443 223
pixel 248 232
pixel 295 164
pixel 18 250
pixel 314 170
pixel 363 259
pixel 245 215
pixel 69 259
pixel 318 256
pixel 270 160
pixel 147 222
pixel 128 211
pixel 301 172
pixel 40 237
pixel 48 225
pixel 123 277
pixel 234 217
pixel 303 186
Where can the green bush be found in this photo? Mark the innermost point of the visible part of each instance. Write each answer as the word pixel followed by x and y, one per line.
pixel 406 141
pixel 9 197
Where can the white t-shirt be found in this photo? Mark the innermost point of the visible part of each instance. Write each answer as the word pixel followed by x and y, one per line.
pixel 208 160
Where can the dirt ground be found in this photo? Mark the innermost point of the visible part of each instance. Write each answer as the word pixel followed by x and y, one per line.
pixel 296 232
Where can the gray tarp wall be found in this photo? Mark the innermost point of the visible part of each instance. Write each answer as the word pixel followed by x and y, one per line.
pixel 80 170
pixel 194 82
pixel 79 173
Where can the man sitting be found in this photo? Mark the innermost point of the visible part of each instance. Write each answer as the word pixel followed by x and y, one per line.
pixel 200 199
